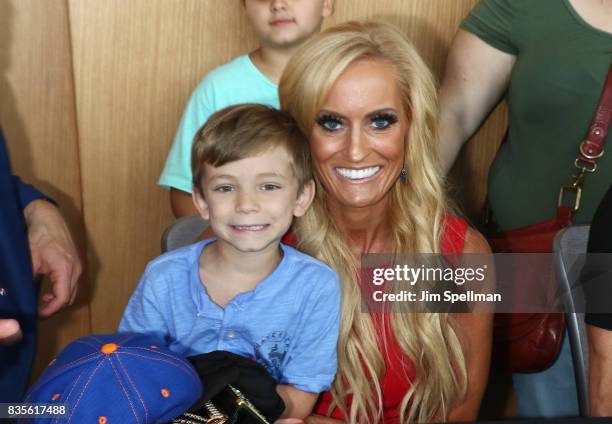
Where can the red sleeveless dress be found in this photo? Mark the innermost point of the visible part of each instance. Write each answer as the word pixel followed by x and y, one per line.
pixel 400 368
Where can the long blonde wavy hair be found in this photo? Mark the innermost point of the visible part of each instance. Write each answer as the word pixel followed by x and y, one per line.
pixel 415 215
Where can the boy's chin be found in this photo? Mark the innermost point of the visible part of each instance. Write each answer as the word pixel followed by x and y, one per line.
pixel 286 42
pixel 254 246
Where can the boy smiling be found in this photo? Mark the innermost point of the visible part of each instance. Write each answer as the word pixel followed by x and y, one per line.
pixel 244 291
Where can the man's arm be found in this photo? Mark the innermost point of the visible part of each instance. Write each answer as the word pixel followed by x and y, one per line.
pixel 53 253
pixel 600 371
pixel 51 247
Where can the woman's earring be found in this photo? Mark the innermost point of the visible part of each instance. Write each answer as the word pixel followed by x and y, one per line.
pixel 404 175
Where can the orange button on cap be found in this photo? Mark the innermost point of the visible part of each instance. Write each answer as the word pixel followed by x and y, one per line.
pixel 109 348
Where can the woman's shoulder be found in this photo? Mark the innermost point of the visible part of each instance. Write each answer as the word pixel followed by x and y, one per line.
pixel 452 238
pixel 475 242
pixel 458 237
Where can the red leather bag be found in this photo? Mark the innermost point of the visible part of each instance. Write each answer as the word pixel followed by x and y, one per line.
pixel 524 342
pixel 527 342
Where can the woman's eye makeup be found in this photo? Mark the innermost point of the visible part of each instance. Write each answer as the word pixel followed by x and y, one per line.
pixel 379 121
pixel 383 121
pixel 329 122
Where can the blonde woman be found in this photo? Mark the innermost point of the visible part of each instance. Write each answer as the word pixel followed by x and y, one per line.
pixel 368 103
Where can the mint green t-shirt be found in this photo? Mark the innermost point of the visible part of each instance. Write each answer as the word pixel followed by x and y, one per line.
pixel 238 81
pixel 557 80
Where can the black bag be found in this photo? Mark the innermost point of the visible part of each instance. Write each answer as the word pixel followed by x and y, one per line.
pixel 237 390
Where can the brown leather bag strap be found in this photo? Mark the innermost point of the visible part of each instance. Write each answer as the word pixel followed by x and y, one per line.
pixel 591 149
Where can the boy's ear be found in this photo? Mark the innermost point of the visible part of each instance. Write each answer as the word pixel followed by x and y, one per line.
pixel 328 8
pixel 200 203
pixel 304 199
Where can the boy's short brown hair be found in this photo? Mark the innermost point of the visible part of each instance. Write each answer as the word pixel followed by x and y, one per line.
pixel 246 130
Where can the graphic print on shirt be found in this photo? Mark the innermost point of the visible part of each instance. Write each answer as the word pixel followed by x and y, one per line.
pixel 271 351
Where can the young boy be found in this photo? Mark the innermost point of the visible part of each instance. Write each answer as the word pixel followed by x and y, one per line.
pixel 244 291
pixel 281 27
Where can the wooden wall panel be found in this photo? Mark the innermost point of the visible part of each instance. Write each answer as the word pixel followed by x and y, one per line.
pixel 430 24
pixel 38 117
pixel 136 63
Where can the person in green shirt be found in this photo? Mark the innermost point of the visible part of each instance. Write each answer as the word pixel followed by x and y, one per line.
pixel 549 60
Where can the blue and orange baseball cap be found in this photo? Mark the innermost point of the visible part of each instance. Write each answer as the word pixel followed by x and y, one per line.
pixel 116 379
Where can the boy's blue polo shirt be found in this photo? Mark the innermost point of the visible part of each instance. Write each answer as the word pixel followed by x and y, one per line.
pixel 288 323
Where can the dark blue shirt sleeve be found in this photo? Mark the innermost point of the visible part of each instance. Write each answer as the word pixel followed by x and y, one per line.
pixel 27 193
pixel 19 290
pixel 19 294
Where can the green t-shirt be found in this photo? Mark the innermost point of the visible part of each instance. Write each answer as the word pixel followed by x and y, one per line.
pixel 557 80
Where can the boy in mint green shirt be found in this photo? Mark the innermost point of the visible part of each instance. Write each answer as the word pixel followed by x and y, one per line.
pixel 281 27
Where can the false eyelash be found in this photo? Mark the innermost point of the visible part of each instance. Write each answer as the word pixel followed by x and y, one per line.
pixel 328 117
pixel 391 118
